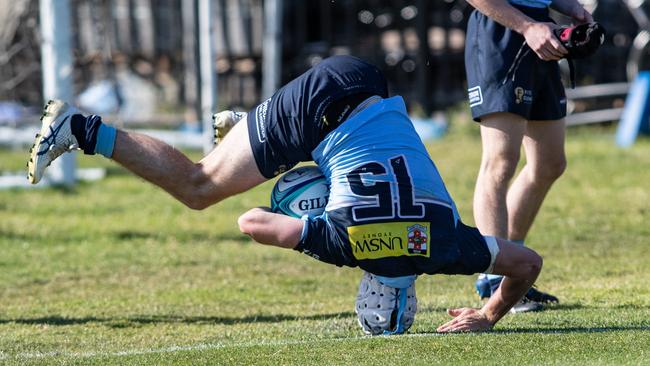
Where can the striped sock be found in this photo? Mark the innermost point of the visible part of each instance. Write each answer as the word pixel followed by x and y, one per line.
pixel 85 130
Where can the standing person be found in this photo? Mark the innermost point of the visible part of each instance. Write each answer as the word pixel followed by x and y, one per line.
pixel 383 183
pixel 518 98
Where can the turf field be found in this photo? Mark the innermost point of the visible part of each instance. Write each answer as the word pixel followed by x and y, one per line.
pixel 116 272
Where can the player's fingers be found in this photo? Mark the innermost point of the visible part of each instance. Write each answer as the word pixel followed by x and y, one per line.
pixel 462 326
pixel 445 328
pixel 455 312
pixel 557 47
pixel 544 55
pixel 553 54
pixel 448 325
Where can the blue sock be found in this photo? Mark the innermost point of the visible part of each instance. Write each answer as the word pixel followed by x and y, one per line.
pixel 105 140
pixel 519 242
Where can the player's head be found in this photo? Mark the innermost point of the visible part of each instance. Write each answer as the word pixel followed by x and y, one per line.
pixel 384 309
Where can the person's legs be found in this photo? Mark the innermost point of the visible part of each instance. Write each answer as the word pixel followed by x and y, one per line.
pixel 228 170
pixel 545 162
pixel 501 135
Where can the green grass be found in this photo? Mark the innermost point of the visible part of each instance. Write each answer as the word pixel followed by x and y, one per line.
pixel 117 272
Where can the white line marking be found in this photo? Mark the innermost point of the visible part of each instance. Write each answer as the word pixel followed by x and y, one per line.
pixel 196 347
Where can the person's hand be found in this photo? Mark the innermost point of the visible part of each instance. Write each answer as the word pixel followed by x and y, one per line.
pixel 540 39
pixel 465 320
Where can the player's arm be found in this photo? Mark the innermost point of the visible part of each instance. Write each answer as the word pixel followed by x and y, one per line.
pixel 270 228
pixel 520 266
pixel 539 35
pixel 573 9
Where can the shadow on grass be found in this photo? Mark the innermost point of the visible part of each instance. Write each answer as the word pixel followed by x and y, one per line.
pixel 553 307
pixel 131 321
pixel 182 236
pixel 128 235
pixel 550 307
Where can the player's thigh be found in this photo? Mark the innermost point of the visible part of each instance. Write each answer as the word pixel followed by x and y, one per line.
pixel 231 165
pixel 515 260
pixel 501 135
pixel 544 144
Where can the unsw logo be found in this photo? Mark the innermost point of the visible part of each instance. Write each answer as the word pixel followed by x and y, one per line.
pixel 392 239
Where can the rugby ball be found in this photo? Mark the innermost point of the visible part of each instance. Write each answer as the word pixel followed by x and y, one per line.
pixel 301 191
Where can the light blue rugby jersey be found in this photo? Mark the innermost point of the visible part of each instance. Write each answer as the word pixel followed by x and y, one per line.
pixel 532 3
pixel 381 133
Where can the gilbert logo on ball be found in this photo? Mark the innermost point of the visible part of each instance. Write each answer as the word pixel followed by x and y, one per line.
pixel 301 191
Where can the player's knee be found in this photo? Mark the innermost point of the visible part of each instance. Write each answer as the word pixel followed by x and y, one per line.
pixel 195 204
pixel 558 168
pixel 551 170
pixel 501 168
pixel 196 201
pixel 199 191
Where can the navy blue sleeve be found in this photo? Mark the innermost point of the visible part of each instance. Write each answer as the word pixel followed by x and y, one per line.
pixel 320 241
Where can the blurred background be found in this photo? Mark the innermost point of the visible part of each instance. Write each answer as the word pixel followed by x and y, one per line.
pixel 138 62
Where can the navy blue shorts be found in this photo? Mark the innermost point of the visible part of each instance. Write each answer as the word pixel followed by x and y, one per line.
pixel 505 75
pixel 284 129
pixel 453 248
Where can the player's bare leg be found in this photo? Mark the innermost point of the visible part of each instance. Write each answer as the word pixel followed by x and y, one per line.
pixel 504 211
pixel 229 169
pixel 545 163
pixel 501 135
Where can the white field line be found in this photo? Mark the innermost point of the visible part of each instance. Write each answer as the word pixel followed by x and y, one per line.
pixel 196 347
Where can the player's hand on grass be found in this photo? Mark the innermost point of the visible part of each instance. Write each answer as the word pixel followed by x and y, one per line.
pixel 465 320
pixel 540 38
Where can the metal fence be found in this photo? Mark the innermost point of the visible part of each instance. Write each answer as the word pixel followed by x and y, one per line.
pixel 140 56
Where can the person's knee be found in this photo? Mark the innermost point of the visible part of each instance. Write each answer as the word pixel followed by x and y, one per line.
pixel 196 204
pixel 501 167
pixel 198 191
pixel 550 170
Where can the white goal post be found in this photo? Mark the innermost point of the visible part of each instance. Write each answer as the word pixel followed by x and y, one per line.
pixel 56 57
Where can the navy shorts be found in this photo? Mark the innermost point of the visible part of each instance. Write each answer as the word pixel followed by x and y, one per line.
pixel 505 75
pixel 453 248
pixel 285 128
